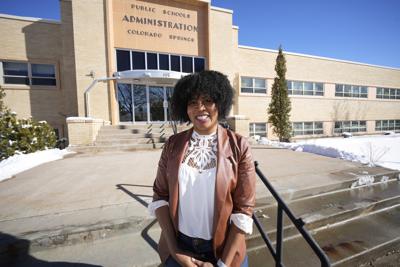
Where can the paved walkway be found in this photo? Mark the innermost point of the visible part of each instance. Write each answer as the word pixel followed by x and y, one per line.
pixel 93 194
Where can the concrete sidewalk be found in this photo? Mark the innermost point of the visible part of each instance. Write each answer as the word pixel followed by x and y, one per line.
pixel 87 197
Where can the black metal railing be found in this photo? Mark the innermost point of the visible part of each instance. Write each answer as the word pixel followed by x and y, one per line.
pixel 172 122
pixel 298 223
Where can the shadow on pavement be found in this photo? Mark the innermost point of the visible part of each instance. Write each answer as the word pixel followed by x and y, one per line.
pixel 145 231
pixel 14 252
pixel 147 237
pixel 135 196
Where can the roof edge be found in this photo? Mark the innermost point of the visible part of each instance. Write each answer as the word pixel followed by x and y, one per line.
pixel 317 57
pixel 230 11
pixel 32 19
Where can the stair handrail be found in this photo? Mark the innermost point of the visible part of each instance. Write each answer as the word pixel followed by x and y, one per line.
pixel 171 121
pixel 298 223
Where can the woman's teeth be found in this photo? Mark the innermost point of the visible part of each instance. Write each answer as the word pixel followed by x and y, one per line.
pixel 202 117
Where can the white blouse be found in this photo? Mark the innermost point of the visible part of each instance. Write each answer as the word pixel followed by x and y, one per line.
pixel 197 175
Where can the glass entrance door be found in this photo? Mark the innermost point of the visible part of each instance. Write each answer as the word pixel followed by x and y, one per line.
pixel 125 102
pixel 139 103
pixel 156 101
pixel 143 103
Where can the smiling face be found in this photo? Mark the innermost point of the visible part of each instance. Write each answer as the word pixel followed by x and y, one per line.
pixel 203 113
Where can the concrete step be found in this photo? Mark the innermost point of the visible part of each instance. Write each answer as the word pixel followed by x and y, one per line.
pixel 318 211
pixel 119 141
pixel 105 148
pixel 125 135
pixel 134 131
pixel 70 228
pixel 144 126
pixel 124 250
pixel 318 190
pixel 355 242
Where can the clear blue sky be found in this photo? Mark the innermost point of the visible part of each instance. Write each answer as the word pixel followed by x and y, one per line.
pixel 365 31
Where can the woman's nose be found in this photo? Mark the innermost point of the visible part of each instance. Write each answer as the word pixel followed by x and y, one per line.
pixel 200 105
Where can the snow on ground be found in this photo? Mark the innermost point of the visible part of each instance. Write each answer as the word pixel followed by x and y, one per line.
pixel 376 150
pixel 23 162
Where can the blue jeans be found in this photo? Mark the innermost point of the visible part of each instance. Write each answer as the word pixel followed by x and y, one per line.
pixel 201 248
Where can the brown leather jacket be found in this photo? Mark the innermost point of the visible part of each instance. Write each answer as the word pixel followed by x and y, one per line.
pixel 234 188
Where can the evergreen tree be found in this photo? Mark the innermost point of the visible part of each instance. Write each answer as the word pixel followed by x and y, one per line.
pixel 279 108
pixel 2 95
pixel 22 136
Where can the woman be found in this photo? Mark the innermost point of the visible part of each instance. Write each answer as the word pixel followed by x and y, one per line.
pixel 204 191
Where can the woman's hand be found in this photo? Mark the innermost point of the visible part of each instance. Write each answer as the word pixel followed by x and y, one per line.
pixel 184 260
pixel 202 263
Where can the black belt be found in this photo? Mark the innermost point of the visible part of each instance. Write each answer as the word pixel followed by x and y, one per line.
pixel 201 248
pixel 194 241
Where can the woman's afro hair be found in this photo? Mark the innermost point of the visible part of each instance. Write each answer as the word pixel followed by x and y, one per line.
pixel 207 83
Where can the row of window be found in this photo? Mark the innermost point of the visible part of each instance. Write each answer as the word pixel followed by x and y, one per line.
pixel 259 86
pixel 253 85
pixel 305 88
pixel 387 93
pixel 258 128
pixel 350 126
pixel 307 128
pixel 315 128
pixel 137 60
pixel 28 73
pixel 345 90
pixel 387 125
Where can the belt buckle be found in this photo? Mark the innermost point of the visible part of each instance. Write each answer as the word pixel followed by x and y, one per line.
pixel 196 242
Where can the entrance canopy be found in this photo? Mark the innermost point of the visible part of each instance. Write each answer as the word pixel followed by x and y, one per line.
pixel 149 77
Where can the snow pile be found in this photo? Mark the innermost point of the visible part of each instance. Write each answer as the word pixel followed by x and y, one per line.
pixel 364 180
pixel 376 150
pixel 23 162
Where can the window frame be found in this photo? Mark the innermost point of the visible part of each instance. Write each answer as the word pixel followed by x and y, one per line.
pixel 253 87
pixel 385 125
pixel 351 91
pixel 30 77
pixel 253 131
pixel 302 131
pixel 386 93
pixel 350 126
pixel 300 86
pixel 181 57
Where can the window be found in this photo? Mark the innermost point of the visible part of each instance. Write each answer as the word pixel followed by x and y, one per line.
pixel 199 64
pixel 258 128
pixel 15 73
pixel 136 60
pixel 43 74
pixel 305 88
pixel 387 125
pixel 29 73
pixel 345 90
pixel 123 60
pixel 176 63
pixel 152 61
pixel 163 61
pixel 187 64
pixel 387 93
pixel 307 128
pixel 253 85
pixel 350 126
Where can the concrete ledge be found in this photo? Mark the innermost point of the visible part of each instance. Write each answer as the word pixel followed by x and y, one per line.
pixel 83 131
pixel 240 124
